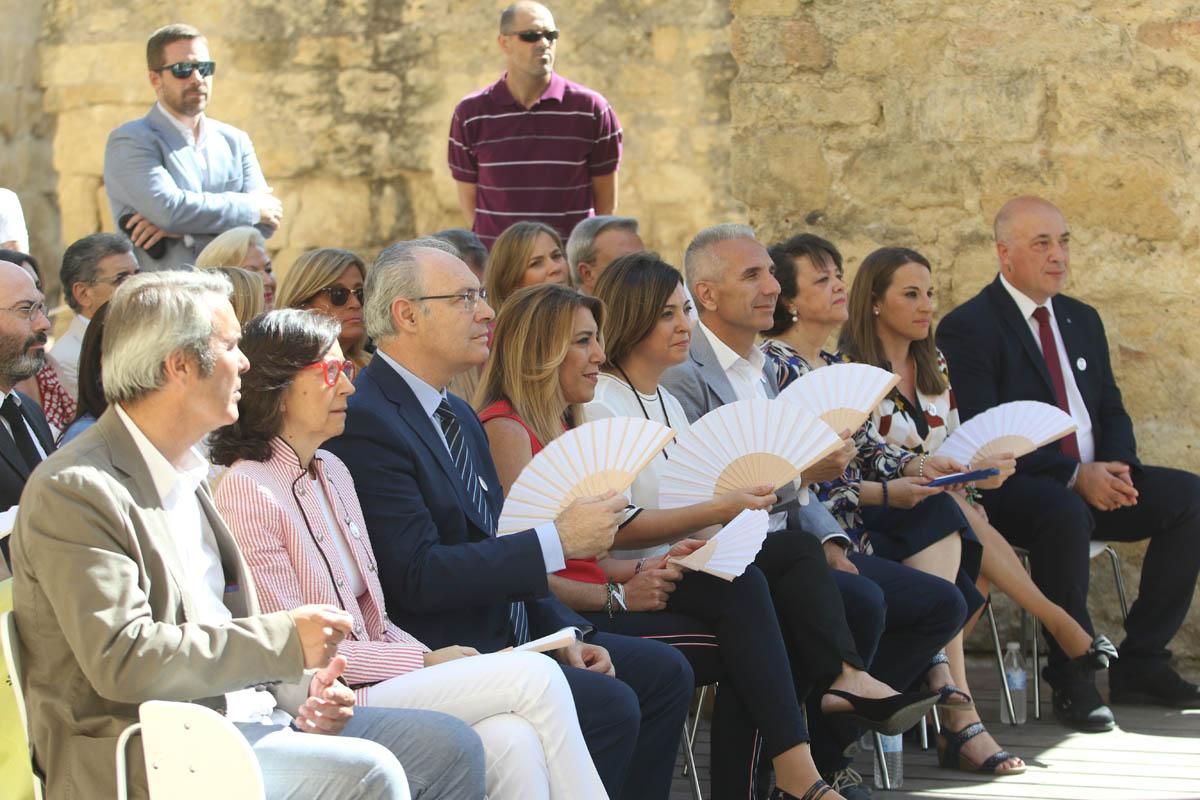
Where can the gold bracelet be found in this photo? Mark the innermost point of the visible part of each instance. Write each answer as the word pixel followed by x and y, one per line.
pixel 921 465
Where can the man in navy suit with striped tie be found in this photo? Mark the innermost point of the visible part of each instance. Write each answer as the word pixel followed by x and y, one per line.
pixel 1021 339
pixel 431 497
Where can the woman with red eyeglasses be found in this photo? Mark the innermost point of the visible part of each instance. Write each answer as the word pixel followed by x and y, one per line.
pixel 293 510
pixel 330 280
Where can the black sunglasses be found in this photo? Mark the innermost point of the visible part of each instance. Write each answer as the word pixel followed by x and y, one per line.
pixel 183 69
pixel 339 295
pixel 533 36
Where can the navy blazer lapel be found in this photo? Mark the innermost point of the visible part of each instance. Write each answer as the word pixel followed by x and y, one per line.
pixel 1010 315
pixel 397 391
pixel 710 367
pixel 8 449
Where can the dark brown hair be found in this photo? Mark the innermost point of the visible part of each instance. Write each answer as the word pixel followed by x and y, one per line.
pixel 164 36
pixel 634 290
pixel 278 345
pixel 91 388
pixel 784 254
pixel 859 340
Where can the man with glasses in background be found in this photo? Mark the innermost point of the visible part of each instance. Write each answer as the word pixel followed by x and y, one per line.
pixel 533 145
pixel 92 269
pixel 175 178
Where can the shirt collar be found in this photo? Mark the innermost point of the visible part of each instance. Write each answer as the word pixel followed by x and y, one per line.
pixel 1024 303
pixel 78 326
pixel 170 482
pixel 429 397
pixel 183 128
pixel 555 91
pixel 726 357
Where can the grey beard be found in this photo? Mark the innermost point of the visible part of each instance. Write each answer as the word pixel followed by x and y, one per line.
pixel 17 368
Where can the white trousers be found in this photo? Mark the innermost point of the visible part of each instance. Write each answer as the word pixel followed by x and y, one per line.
pixel 521 706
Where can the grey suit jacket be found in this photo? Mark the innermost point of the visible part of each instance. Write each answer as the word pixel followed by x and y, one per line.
pixel 149 168
pixel 701 385
pixel 105 619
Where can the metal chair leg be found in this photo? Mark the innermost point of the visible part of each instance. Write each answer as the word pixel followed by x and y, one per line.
pixel 690 736
pixel 880 763
pixel 1119 579
pixel 1012 713
pixel 689 764
pixel 924 732
pixel 1037 670
pixel 937 721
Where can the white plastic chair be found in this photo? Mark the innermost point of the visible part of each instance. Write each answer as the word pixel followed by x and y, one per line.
pixel 192 753
pixel 12 659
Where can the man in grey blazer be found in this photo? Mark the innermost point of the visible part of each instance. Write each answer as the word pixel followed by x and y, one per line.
pixel 128 587
pixel 899 616
pixel 175 178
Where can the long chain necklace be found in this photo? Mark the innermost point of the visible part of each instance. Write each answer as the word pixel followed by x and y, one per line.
pixel 638 396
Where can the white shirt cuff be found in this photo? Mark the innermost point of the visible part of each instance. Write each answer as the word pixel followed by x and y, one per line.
pixel 552 552
pixel 7 520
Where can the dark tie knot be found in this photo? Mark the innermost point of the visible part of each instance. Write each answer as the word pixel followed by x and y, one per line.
pixel 10 409
pixel 1042 315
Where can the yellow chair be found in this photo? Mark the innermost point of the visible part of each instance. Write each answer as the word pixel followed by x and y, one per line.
pixel 17 778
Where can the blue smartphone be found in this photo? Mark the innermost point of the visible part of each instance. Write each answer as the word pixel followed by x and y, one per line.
pixel 956 478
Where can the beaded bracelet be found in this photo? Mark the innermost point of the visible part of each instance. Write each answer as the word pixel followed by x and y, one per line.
pixel 921 465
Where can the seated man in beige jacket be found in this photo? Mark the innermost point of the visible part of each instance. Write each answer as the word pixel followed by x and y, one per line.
pixel 128 587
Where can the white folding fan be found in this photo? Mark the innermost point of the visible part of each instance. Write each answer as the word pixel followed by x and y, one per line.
pixel 727 554
pixel 843 395
pixel 741 445
pixel 587 460
pixel 1019 427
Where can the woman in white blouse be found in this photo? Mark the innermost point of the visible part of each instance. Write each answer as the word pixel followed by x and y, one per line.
pixel 293 510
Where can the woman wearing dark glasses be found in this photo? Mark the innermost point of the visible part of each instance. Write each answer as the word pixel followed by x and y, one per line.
pixel 330 280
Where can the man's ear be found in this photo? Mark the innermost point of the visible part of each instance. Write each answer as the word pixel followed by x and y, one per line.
pixel 82 292
pixel 404 314
pixel 178 365
pixel 585 275
pixel 1002 254
pixel 705 296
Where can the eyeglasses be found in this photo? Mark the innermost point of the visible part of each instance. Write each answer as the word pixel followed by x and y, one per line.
pixel 334 370
pixel 534 36
pixel 29 312
pixel 340 295
pixel 469 297
pixel 183 69
pixel 118 279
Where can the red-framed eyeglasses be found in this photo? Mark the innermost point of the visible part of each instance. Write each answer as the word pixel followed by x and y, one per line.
pixel 334 369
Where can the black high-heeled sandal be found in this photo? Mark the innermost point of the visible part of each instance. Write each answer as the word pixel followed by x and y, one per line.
pixel 815 792
pixel 888 715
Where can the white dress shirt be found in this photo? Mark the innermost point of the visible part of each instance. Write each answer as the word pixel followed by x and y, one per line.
pixel 65 354
pixel 1077 409
pixel 12 221
pixel 430 398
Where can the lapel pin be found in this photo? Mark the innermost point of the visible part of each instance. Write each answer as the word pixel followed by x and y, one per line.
pixel 1080 363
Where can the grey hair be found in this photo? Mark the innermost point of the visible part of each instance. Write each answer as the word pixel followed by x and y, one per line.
pixel 83 257
pixel 395 273
pixel 581 247
pixel 699 262
pixel 151 316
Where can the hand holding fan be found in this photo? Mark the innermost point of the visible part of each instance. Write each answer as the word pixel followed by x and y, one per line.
pixel 843 395
pixel 1019 427
pixel 727 554
pixel 587 460
pixel 742 445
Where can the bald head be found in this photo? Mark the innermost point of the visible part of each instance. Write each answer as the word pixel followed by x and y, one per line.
pixel 1019 208
pixel 23 328
pixel 13 279
pixel 520 11
pixel 1033 246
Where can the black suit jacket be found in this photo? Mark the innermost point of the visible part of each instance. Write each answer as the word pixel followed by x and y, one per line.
pixel 445 579
pixel 994 359
pixel 13 473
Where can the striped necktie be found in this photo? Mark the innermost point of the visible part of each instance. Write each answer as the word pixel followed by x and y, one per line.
pixel 461 455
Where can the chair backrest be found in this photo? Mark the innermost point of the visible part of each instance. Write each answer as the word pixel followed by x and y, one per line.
pixel 194 752
pixel 12 661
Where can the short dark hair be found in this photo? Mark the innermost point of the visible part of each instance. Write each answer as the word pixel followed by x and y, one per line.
pixel 82 257
pixel 784 254
pixel 91 385
pixel 164 36
pixel 19 258
pixel 634 288
pixel 469 246
pixel 278 345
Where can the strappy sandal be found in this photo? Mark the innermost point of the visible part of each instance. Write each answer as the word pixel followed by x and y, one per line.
pixel 1100 655
pixel 947 692
pixel 950 754
pixel 815 792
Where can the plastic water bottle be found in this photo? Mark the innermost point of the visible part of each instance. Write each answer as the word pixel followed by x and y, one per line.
pixel 893 757
pixel 1015 676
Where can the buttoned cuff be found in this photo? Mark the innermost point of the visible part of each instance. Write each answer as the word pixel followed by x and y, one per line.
pixel 552 552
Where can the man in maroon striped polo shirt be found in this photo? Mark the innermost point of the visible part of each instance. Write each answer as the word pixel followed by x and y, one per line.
pixel 533 145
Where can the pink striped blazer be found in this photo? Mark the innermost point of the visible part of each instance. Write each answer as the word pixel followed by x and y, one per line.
pixel 285 538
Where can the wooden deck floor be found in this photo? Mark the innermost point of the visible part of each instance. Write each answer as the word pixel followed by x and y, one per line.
pixel 1154 754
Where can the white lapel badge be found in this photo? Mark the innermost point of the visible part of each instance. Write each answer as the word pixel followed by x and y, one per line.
pixel 1081 363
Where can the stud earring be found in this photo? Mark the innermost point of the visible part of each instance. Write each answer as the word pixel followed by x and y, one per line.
pixel 876 312
pixel 795 317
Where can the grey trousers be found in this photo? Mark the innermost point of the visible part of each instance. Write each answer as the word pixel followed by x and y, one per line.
pixel 382 754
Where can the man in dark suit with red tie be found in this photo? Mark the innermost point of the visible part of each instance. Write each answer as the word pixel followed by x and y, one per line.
pixel 25 438
pixel 1020 339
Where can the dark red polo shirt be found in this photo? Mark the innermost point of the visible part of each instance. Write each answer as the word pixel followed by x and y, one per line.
pixel 537 163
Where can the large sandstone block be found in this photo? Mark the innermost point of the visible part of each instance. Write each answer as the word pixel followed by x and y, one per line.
pixel 1005 108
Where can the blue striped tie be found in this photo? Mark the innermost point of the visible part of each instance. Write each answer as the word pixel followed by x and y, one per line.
pixel 466 470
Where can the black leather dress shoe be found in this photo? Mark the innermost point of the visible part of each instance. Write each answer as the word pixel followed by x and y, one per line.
pixel 1157 685
pixel 1077 703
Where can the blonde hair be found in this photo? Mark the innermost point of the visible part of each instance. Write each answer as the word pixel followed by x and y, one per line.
pixel 230 248
pixel 247 297
pixel 312 272
pixel 510 258
pixel 531 340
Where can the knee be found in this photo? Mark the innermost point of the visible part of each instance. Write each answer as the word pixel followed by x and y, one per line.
pixel 508 738
pixel 865 604
pixel 456 748
pixel 1068 519
pixel 372 770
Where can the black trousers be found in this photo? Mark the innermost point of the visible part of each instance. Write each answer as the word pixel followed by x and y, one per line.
pixel 1056 526
pixel 728 632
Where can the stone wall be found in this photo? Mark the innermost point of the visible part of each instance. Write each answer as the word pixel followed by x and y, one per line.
pixel 909 123
pixel 349 103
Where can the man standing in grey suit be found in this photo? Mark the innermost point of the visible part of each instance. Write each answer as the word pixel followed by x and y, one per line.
pixel 129 587
pixel 175 178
